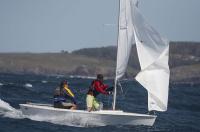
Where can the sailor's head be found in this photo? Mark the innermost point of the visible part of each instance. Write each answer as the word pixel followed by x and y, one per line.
pixel 100 77
pixel 63 83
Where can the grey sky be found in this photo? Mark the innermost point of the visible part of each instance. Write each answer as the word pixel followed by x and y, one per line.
pixel 55 25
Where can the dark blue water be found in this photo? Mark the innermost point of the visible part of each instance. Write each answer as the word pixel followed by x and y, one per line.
pixel 183 111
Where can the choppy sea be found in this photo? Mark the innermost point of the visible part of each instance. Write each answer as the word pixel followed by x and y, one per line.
pixel 183 114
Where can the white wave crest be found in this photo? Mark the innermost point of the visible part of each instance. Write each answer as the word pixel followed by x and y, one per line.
pixel 28 85
pixel 44 81
pixel 82 77
pixel 8 111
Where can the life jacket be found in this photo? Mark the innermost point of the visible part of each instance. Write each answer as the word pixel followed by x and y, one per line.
pixel 63 94
pixel 69 94
pixel 68 91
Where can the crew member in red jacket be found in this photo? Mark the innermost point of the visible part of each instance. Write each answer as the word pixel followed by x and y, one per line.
pixel 97 86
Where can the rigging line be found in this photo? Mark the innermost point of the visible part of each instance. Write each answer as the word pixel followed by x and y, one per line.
pixel 124 92
pixel 120 87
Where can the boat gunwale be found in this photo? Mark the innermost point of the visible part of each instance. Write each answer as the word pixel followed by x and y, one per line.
pixel 101 112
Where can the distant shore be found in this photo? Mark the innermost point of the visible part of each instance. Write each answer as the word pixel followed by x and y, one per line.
pixel 184 62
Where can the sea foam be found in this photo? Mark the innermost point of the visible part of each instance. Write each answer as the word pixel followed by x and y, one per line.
pixel 8 111
pixel 28 85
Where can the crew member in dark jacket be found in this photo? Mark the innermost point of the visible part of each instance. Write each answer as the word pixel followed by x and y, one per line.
pixel 64 97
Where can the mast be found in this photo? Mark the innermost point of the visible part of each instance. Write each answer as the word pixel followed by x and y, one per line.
pixel 115 94
pixel 115 82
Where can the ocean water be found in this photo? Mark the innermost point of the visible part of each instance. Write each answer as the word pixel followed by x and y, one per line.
pixel 183 113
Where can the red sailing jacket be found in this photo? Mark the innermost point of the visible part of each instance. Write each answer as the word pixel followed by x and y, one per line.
pixel 97 87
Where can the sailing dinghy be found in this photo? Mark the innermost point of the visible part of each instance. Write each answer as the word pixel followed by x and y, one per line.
pixel 152 51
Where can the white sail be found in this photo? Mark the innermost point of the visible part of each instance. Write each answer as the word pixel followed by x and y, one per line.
pixel 125 40
pixel 152 52
pixel 155 79
pixel 125 37
pixel 153 57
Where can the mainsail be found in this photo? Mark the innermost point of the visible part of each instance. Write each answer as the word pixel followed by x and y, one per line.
pixel 125 40
pixel 152 52
pixel 125 36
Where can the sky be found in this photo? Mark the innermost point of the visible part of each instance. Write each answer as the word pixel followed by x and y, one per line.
pixel 55 25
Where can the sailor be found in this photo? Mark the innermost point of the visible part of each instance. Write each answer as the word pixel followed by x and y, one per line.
pixel 97 86
pixel 64 97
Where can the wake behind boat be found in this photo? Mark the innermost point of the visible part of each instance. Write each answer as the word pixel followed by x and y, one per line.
pixel 83 117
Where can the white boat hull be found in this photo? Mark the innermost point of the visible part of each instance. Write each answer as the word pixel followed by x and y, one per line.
pixel 94 118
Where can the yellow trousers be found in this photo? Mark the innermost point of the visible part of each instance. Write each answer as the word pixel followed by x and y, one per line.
pixel 92 102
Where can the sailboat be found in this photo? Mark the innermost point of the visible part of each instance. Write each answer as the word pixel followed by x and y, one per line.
pixel 152 51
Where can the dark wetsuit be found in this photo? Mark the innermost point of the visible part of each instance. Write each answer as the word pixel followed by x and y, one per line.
pixel 63 98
